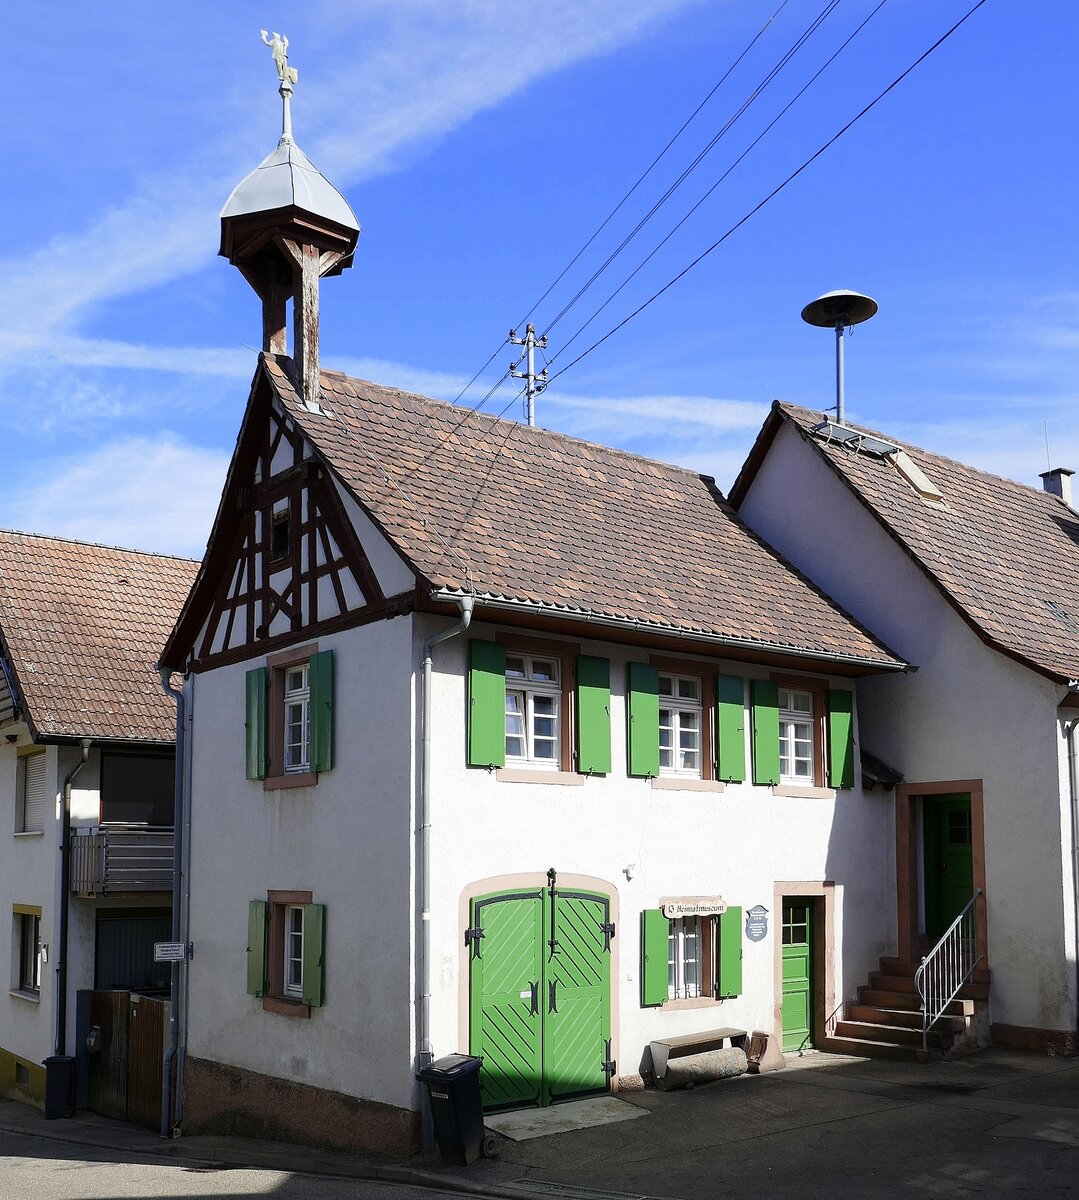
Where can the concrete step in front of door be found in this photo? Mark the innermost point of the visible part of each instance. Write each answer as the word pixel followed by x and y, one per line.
pixel 909 1001
pixel 893 1035
pixel 899 1018
pixel 906 970
pixel 881 981
pixel 867 1048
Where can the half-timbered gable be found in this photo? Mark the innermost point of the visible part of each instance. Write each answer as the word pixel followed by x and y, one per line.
pixel 292 554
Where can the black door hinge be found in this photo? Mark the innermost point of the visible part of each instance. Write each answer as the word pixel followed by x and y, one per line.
pixel 609 1065
pixel 608 933
pixel 472 939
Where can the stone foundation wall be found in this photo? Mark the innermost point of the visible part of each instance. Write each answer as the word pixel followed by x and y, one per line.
pixel 220 1099
pixel 1064 1042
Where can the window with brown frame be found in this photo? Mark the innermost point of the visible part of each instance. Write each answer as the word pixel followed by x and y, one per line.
pixel 686 718
pixel 803 719
pixel 28 936
pixel 539 703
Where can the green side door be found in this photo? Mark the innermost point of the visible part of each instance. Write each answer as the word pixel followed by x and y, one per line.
pixel 797 974
pixel 948 859
pixel 577 1014
pixel 540 1002
pixel 506 979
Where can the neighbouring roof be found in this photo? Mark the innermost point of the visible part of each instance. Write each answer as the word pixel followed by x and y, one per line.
pixel 82 626
pixel 876 771
pixel 1004 554
pixel 534 516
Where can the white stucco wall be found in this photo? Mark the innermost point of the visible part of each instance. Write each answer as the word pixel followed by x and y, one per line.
pixel 347 840
pixel 28 875
pixel 737 843
pixel 966 713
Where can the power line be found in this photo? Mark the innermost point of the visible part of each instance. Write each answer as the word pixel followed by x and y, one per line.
pixel 655 162
pixel 752 145
pixel 772 194
pixel 803 38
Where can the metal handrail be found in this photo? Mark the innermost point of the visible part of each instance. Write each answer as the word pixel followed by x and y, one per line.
pixel 948 966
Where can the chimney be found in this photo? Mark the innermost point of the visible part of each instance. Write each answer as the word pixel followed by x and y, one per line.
pixel 1058 482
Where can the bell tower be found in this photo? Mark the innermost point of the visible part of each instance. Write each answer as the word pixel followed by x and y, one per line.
pixel 284 227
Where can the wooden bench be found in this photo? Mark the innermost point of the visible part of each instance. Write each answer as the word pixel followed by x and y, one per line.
pixel 692 1043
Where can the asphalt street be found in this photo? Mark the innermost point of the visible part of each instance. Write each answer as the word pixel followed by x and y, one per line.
pixel 35 1168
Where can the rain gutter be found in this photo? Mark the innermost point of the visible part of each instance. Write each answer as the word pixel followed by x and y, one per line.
pixel 511 604
pixel 423 834
pixel 65 900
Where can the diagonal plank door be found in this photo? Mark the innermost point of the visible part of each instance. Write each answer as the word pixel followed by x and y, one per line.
pixel 577 1016
pixel 506 982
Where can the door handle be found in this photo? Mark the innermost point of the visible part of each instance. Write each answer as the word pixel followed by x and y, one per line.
pixel 534 1006
pixel 552 1000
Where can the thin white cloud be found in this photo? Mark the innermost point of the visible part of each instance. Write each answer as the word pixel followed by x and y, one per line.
pixel 155 494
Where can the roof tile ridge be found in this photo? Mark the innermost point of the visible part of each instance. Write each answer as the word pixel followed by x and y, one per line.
pixel 69 541
pixel 528 430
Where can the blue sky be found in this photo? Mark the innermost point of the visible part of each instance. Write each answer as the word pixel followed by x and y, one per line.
pixel 480 144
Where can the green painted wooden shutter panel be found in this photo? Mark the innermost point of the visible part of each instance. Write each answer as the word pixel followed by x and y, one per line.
pixel 840 738
pixel 258 682
pixel 642 715
pixel 765 731
pixel 593 715
pixel 729 975
pixel 655 929
pixel 731 727
pixel 486 704
pixel 314 947
pixel 256 948
pixel 320 682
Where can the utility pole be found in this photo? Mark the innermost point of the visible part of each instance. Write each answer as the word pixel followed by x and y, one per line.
pixel 536 383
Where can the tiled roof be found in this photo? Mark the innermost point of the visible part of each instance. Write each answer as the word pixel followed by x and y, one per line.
pixel 1006 555
pixel 83 626
pixel 538 517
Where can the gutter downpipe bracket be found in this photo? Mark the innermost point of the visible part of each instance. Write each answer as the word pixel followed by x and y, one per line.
pixel 466 604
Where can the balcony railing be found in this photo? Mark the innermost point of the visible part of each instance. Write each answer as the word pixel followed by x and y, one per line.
pixel 119 859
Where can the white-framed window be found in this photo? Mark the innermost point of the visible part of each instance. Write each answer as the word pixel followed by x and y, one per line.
pixel 293 960
pixel 796 736
pixel 533 713
pixel 297 699
pixel 29 942
pixel 32 798
pixel 680 716
pixel 689 950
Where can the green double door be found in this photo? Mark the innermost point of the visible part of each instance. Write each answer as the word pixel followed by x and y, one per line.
pixel 948 859
pixel 540 995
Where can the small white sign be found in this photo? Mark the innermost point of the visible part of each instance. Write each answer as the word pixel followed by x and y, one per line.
pixel 169 951
pixel 692 906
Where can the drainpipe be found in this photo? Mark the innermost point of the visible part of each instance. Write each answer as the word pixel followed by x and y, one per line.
pixel 1073 787
pixel 423 840
pixel 170 1065
pixel 65 901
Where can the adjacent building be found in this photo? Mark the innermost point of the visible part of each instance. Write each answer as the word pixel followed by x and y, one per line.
pixel 974 580
pixel 87 770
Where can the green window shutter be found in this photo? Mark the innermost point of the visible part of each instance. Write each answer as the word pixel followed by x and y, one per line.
pixel 731 728
pixel 765 731
pixel 655 929
pixel 642 716
pixel 320 683
pixel 314 953
pixel 258 683
pixel 840 738
pixel 729 975
pixel 256 948
pixel 486 704
pixel 593 715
